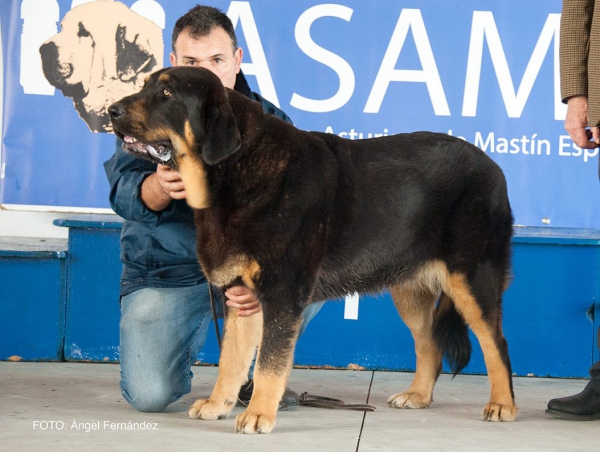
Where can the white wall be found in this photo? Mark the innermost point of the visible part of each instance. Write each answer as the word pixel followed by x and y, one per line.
pixel 26 223
pixel 31 224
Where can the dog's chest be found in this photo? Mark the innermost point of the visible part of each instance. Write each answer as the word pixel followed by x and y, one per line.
pixel 220 253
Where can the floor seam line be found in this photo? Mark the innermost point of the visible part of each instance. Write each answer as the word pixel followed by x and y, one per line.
pixel 362 425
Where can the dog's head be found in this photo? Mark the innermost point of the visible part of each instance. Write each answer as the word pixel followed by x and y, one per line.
pixel 103 52
pixel 181 118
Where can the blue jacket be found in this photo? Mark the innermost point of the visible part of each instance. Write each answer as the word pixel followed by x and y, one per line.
pixel 158 249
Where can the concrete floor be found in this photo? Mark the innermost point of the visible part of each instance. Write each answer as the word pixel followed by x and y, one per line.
pixel 78 407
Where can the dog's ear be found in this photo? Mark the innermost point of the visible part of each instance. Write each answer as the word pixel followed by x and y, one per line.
pixel 221 133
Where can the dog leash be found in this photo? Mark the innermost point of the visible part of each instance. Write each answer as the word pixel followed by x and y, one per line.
pixel 306 399
pixel 213 308
pixel 316 401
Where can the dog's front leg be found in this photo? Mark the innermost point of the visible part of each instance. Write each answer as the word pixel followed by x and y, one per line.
pixel 240 339
pixel 274 362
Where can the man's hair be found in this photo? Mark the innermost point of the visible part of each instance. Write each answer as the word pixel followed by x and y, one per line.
pixel 200 21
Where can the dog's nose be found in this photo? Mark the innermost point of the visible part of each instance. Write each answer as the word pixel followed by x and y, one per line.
pixel 49 54
pixel 55 71
pixel 116 110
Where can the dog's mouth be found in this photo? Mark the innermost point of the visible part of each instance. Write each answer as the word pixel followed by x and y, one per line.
pixel 160 152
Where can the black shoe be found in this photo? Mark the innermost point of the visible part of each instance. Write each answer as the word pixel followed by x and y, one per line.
pixel 584 406
pixel 289 401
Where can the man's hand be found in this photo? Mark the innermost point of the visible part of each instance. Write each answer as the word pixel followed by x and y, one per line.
pixel 160 188
pixel 242 298
pixel 577 121
pixel 170 181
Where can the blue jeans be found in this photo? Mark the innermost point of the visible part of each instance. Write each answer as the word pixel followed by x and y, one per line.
pixel 162 332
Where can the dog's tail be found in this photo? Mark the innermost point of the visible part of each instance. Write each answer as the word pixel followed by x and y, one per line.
pixel 451 335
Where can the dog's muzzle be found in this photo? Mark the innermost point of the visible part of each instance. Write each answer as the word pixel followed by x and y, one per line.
pixel 161 152
pixel 158 153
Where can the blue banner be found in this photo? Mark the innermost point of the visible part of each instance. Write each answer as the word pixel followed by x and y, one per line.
pixel 486 71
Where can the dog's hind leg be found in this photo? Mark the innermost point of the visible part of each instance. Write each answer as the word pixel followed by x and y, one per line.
pixel 240 339
pixel 478 299
pixel 416 307
pixel 272 369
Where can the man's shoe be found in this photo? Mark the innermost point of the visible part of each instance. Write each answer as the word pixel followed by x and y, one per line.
pixel 289 401
pixel 584 406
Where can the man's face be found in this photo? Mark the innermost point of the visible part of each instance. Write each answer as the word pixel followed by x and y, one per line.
pixel 213 52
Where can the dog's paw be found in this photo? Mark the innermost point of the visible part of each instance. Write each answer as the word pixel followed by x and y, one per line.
pixel 409 400
pixel 209 410
pixel 250 422
pixel 495 412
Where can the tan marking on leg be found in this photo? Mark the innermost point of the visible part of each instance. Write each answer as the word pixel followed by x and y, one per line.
pixel 250 274
pixel 269 386
pixel 502 405
pixel 261 413
pixel 415 302
pixel 242 336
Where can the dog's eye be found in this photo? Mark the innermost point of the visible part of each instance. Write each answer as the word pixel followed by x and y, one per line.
pixel 167 93
pixel 82 32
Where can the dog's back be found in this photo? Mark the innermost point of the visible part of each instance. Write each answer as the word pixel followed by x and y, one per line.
pixel 407 199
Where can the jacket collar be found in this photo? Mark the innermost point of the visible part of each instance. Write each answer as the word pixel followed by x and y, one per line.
pixel 241 85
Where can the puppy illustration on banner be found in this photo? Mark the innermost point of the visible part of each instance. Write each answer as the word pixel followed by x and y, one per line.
pixel 103 52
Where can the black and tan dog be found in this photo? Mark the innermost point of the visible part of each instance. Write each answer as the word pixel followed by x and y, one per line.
pixel 304 216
